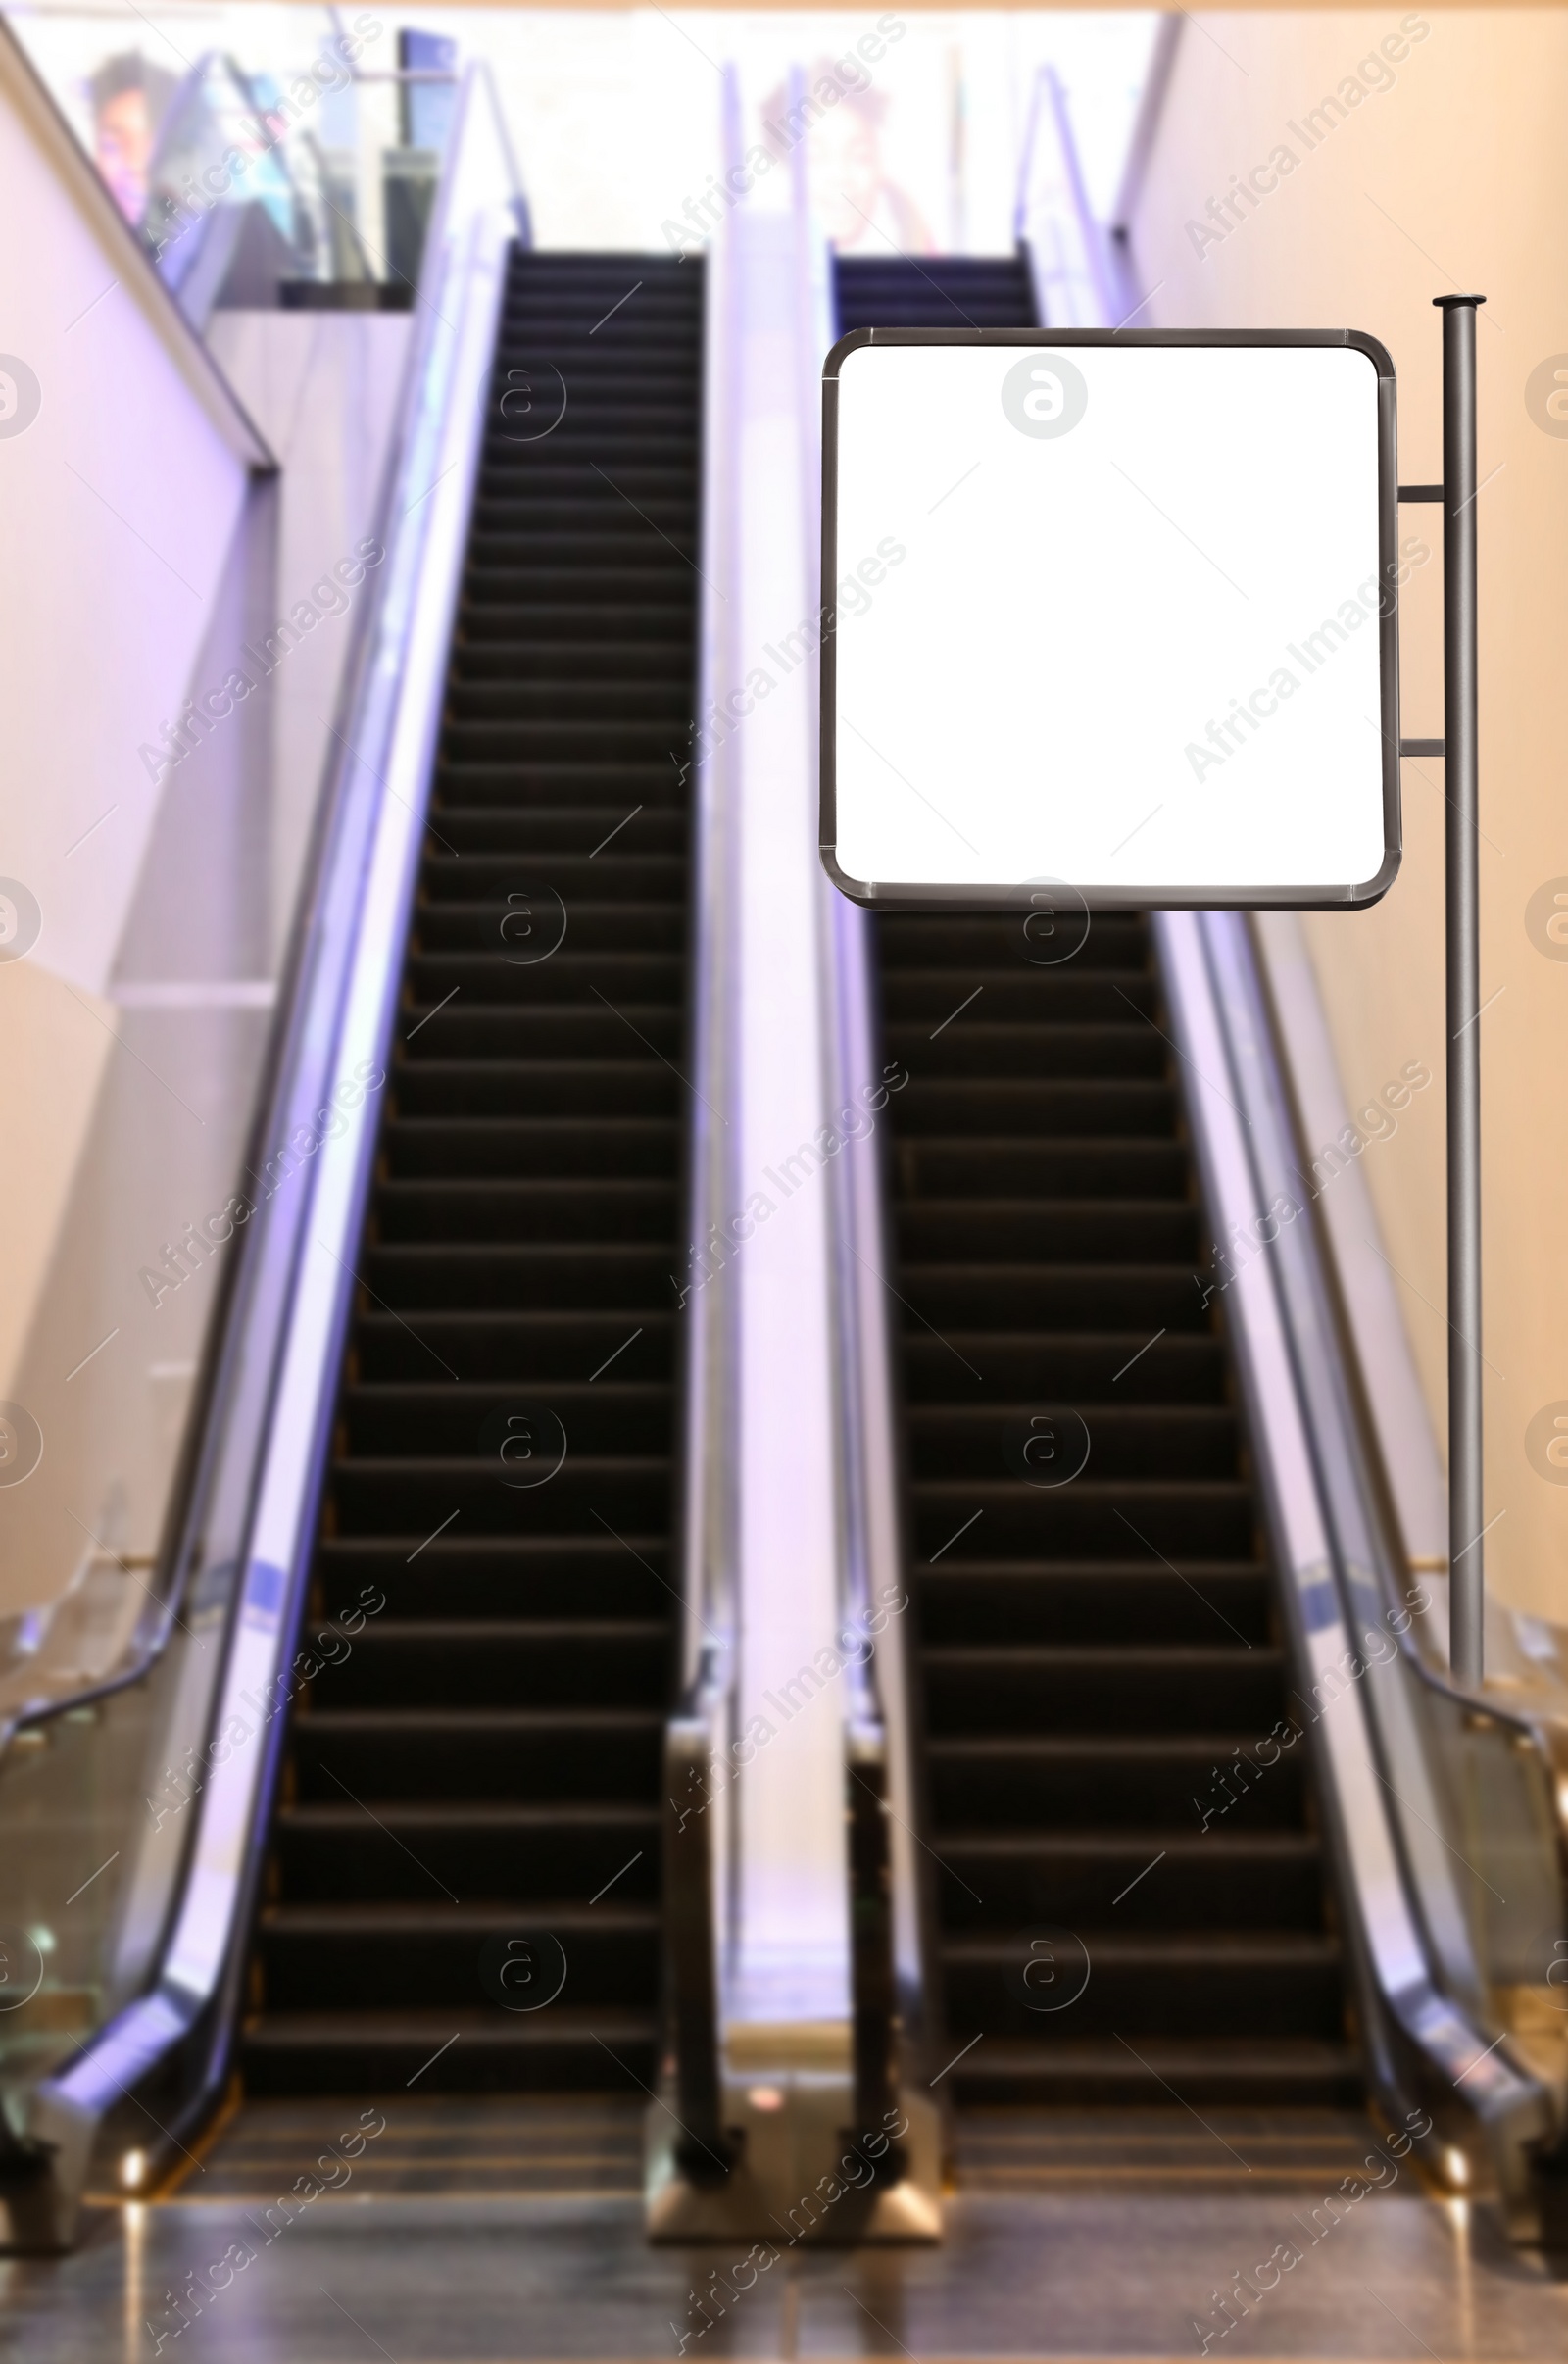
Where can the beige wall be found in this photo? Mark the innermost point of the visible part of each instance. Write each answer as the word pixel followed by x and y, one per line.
pixel 136 549
pixel 1457 176
pixel 119 503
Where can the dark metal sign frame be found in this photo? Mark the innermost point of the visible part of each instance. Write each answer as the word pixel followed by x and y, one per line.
pixel 890 895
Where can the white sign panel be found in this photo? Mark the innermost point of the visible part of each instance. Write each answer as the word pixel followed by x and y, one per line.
pixel 1110 609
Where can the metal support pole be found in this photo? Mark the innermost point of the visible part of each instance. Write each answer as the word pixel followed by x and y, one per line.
pixel 1466 1516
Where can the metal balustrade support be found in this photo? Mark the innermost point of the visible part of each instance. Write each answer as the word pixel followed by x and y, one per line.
pixel 703 2151
pixel 1459 749
pixel 876 2066
pixel 1466 1513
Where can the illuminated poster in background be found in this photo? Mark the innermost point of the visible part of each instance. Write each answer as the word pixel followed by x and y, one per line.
pixel 916 130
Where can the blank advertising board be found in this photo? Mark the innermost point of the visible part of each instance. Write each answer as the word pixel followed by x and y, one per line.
pixel 1112 612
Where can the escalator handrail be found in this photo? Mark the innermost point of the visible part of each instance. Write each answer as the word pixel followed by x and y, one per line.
pixel 704 1294
pixel 1066 246
pixel 1422 2039
pixel 882 1893
pixel 133 266
pixel 887 1951
pixel 697 1853
pixel 1026 159
pixel 345 974
pixel 1379 1551
pixel 1300 1034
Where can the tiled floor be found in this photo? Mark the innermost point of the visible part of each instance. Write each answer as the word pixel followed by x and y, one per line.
pixel 1065 2240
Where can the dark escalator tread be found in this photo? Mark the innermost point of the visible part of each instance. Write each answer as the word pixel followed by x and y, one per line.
pixel 355 1955
pixel 1282 1986
pixel 501 1663
pixel 1100 1662
pixel 1170 1686
pixel 1302 2073
pixel 1183 1366
pixel 572 1575
pixel 484 1759
pixel 355 2052
pixel 1237 1880
pixel 1132 1441
pixel 1110 1781
pixel 431 1418
pixel 478 1850
pixel 459 1751
pixel 877 291
pixel 1070 1601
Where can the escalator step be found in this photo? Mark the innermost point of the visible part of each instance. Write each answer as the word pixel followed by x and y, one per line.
pixel 1233 1880
pixel 480 1852
pixel 386 2051
pixel 1300 2073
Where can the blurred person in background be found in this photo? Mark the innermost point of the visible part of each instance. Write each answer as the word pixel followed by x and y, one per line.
pixel 841 115
pixel 129 100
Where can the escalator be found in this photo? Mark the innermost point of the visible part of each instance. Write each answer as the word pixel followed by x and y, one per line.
pixel 480 1774
pixel 1033 1853
pixel 1089 1658
pixel 940 291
